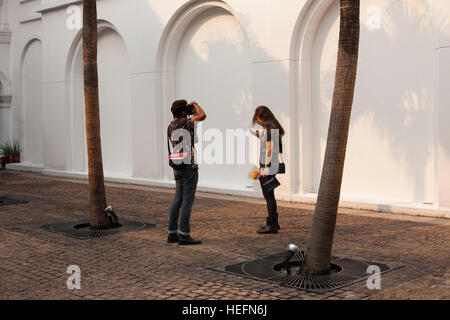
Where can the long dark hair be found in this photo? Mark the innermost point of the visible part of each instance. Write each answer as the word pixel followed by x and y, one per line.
pixel 265 115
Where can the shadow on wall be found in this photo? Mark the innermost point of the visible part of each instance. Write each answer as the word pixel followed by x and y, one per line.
pixel 392 134
pixel 114 94
pixel 392 121
pixel 214 67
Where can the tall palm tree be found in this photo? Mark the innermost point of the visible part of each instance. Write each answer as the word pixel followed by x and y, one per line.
pixel 318 255
pixel 97 196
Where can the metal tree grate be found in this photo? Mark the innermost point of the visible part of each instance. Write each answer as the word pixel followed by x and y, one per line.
pixel 80 230
pixel 272 269
pixel 4 201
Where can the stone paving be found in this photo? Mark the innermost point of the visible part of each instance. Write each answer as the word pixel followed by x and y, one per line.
pixel 141 265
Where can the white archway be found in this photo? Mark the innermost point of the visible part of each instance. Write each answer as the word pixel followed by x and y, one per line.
pixel 300 55
pixel 392 143
pixel 32 109
pixel 115 103
pixel 204 55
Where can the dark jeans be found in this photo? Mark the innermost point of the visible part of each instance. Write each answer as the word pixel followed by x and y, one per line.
pixel 272 219
pixel 186 185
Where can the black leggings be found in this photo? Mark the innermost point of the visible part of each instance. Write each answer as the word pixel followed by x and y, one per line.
pixel 272 219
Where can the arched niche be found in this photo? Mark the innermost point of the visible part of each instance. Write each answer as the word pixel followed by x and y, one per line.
pixel 204 56
pixel 115 103
pixel 392 144
pixel 32 109
pixel 300 68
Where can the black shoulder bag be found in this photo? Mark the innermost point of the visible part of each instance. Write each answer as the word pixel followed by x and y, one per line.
pixel 281 165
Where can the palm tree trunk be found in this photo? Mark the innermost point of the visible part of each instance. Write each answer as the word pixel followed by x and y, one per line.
pixel 320 243
pixel 97 196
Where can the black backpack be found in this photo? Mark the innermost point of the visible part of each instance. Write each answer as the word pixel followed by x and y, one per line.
pixel 178 160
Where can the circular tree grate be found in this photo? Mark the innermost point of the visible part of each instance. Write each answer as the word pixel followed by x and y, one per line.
pixel 273 269
pixel 80 230
pixel 4 201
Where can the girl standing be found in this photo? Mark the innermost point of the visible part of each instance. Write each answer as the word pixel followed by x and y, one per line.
pixel 272 130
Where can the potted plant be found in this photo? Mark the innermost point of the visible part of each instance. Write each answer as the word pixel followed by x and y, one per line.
pixel 11 151
pixel 4 154
pixel 16 149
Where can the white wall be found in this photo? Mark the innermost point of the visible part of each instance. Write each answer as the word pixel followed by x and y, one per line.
pixel 441 12
pixel 214 69
pixel 237 56
pixel 76 105
pixel 5 86
pixel 391 152
pixel 5 103
pixel 32 104
pixel 115 111
pixel 444 130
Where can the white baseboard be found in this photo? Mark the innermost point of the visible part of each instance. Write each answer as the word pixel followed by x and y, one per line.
pixel 410 208
pixel 27 167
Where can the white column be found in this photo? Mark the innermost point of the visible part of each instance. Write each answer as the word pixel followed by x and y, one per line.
pixel 444 129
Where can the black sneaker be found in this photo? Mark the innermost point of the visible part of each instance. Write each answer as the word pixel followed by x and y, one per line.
pixel 187 240
pixel 268 230
pixel 172 238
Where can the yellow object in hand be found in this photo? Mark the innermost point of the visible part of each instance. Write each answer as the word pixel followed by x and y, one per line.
pixel 254 174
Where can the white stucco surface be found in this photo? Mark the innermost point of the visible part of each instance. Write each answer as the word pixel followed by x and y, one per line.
pixel 230 57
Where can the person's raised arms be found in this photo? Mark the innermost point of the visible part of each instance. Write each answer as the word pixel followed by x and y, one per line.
pixel 200 114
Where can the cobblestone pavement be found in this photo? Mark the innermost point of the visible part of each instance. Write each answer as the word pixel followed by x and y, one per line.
pixel 141 265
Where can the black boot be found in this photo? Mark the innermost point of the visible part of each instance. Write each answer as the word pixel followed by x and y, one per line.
pixel 187 240
pixel 269 223
pixel 275 221
pixel 268 230
pixel 276 226
pixel 172 238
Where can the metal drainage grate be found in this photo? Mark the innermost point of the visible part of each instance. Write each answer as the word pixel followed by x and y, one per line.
pixel 4 201
pixel 80 230
pixel 272 269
